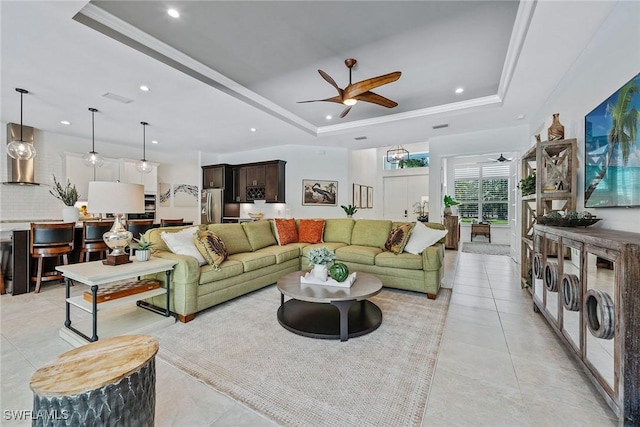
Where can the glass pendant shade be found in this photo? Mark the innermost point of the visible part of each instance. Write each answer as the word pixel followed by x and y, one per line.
pixel 92 159
pixel 143 165
pixel 397 153
pixel 21 150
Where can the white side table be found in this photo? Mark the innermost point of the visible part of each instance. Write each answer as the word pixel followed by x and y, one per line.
pixel 95 274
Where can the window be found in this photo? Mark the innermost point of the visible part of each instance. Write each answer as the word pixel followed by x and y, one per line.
pixel 413 160
pixel 483 193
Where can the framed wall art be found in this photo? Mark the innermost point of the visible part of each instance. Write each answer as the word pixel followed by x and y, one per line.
pixel 319 193
pixel 363 196
pixel 370 197
pixel 356 195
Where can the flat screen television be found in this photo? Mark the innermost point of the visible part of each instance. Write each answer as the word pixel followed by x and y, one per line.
pixel 612 150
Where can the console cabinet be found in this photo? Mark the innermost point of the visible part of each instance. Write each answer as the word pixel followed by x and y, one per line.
pixel 453 236
pixel 591 298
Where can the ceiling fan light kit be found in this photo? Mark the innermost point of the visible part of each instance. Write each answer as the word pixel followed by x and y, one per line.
pixel 359 91
pixel 396 153
pixel 21 150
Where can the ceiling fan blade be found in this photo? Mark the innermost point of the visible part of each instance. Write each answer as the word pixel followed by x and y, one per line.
pixel 332 82
pixel 333 99
pixel 376 99
pixel 359 88
pixel 345 111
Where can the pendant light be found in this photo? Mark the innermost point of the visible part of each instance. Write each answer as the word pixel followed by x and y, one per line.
pixel 396 154
pixel 21 150
pixel 143 165
pixel 93 159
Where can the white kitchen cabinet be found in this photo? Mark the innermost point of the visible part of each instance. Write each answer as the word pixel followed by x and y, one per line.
pixel 130 175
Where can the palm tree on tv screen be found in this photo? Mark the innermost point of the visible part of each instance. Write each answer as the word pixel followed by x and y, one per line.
pixel 623 132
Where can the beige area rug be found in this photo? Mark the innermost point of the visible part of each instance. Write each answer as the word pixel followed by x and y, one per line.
pixel 379 379
pixel 486 248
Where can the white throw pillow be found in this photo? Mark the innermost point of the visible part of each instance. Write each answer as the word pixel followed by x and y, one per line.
pixel 422 237
pixel 182 243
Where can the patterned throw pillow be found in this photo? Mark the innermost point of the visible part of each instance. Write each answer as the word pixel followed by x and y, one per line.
pixel 286 231
pixel 211 247
pixel 398 238
pixel 311 230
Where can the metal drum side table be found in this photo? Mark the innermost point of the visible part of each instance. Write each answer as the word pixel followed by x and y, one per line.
pixel 110 382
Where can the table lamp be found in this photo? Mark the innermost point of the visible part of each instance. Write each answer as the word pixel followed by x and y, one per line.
pixel 117 198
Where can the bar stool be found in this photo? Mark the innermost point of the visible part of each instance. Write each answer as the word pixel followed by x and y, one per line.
pixel 50 240
pixel 169 222
pixel 139 226
pixel 92 240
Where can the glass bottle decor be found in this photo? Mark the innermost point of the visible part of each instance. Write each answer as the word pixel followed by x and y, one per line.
pixel 556 130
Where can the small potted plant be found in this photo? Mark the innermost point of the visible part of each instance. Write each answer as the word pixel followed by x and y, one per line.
pixel 448 202
pixel 319 258
pixel 69 196
pixel 528 185
pixel 142 247
pixel 422 210
pixel 349 210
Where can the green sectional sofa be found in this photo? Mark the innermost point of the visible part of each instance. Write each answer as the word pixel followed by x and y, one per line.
pixel 255 260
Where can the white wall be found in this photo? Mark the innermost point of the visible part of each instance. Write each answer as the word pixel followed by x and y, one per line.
pixel 364 169
pixel 610 60
pixel 303 162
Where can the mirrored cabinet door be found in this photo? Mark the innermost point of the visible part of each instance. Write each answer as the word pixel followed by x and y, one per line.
pixel 571 292
pixel 600 309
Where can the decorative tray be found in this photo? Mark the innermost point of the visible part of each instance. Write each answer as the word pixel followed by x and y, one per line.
pixel 310 280
pixel 567 222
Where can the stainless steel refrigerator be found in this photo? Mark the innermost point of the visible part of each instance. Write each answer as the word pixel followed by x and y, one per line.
pixel 211 206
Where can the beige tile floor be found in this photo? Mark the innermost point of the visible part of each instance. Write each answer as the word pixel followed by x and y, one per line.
pixel 500 364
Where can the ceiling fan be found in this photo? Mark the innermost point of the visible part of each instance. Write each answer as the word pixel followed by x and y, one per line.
pixel 359 91
pixel 501 159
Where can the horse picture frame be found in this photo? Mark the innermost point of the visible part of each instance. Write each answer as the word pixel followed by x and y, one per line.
pixel 317 192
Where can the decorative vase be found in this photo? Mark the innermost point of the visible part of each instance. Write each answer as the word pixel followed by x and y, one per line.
pixel 70 214
pixel 447 211
pixel 349 216
pixel 320 272
pixel 556 130
pixel 143 254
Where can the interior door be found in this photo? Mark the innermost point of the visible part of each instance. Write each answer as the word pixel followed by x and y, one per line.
pixel 400 193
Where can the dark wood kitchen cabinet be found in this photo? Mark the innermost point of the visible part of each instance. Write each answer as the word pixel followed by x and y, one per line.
pixel 261 181
pixel 220 176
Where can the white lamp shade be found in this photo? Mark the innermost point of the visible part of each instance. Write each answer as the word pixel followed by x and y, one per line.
pixel 115 197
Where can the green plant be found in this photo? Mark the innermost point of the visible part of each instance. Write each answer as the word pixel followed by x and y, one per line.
pixel 413 163
pixel 68 195
pixel 421 209
pixel 449 201
pixel 339 272
pixel 528 185
pixel 142 243
pixel 349 210
pixel 322 256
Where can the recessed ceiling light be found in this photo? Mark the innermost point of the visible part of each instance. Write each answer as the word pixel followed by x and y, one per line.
pixel 252 129
pixel 520 117
pixel 144 88
pixel 173 13
pixel 65 122
pixel 328 117
pixel 459 90
pixel 154 142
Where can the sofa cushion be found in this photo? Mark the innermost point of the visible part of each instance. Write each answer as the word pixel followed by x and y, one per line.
pixel 370 232
pixel 286 231
pixel 311 230
pixel 182 243
pixel 227 269
pixel 282 253
pixel 253 260
pixel 403 260
pixel 259 234
pixel 233 236
pixel 398 237
pixel 358 254
pixel 332 246
pixel 338 230
pixel 422 237
pixel 211 247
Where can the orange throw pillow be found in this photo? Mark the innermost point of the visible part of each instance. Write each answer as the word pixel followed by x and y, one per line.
pixel 286 231
pixel 311 230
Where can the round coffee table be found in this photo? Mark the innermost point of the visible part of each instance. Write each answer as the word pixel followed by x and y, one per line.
pixel 329 312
